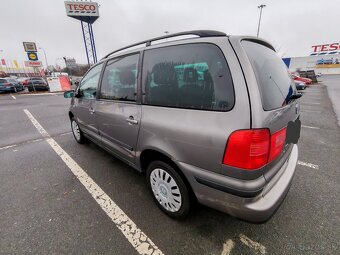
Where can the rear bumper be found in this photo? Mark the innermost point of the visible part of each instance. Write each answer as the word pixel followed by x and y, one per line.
pixel 38 87
pixel 257 209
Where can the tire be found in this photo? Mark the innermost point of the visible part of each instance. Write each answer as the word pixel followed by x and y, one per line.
pixel 77 133
pixel 168 190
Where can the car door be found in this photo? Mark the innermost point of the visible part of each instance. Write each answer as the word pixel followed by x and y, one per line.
pixel 117 112
pixel 85 99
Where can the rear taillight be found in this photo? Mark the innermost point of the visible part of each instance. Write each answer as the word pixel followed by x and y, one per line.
pixel 247 149
pixel 277 141
pixel 254 148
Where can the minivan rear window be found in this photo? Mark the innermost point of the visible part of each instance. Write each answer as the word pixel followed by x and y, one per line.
pixel 275 82
pixel 191 76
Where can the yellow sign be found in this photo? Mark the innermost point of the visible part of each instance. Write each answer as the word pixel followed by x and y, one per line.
pixel 16 64
pixel 32 56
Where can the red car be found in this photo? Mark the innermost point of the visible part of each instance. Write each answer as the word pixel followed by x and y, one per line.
pixel 305 80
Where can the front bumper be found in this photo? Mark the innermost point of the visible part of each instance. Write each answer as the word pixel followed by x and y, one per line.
pixel 254 209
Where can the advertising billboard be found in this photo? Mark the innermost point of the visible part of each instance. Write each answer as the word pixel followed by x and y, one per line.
pixel 32 63
pixel 30 46
pixel 84 11
pixel 325 49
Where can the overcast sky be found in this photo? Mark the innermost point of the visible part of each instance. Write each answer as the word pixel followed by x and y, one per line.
pixel 292 26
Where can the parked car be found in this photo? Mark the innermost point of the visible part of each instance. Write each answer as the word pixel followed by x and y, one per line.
pixel 305 80
pixel 23 80
pixel 37 83
pixel 213 118
pixel 300 85
pixel 10 85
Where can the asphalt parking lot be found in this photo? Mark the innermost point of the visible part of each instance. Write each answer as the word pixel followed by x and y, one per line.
pixel 46 209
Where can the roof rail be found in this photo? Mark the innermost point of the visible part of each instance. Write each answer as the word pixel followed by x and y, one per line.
pixel 200 33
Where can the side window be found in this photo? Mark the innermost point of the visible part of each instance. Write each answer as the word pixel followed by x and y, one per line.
pixel 119 80
pixel 192 76
pixel 88 86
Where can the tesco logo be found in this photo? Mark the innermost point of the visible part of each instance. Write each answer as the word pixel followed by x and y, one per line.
pixel 81 7
pixel 326 47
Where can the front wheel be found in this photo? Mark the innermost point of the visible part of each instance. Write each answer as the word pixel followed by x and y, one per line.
pixel 77 133
pixel 168 189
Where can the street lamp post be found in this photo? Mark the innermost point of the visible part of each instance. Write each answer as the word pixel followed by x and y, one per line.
pixel 258 28
pixel 45 58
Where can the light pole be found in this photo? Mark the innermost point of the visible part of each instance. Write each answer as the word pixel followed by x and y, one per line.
pixel 45 57
pixel 258 28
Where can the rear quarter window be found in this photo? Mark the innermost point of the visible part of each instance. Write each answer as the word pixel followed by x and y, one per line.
pixel 273 78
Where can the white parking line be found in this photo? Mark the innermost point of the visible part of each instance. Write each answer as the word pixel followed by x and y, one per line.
pixel 7 147
pixel 227 247
pixel 309 127
pixel 307 103
pixel 137 238
pixel 310 111
pixel 252 244
pixel 308 165
pixel 13 97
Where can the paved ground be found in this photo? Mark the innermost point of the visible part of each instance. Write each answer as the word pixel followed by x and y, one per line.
pixel 45 209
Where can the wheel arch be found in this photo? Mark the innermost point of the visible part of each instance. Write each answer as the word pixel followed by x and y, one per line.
pixel 149 155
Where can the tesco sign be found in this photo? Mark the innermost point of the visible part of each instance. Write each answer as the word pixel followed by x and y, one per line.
pixel 325 47
pixel 84 9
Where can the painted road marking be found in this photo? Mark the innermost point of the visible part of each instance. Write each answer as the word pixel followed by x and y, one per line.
pixel 7 147
pixel 137 238
pixel 309 127
pixel 227 247
pixel 307 103
pixel 308 165
pixel 252 244
pixel 31 141
pixel 13 97
pixel 310 111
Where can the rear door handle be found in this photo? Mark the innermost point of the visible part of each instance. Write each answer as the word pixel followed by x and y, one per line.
pixel 131 120
pixel 91 110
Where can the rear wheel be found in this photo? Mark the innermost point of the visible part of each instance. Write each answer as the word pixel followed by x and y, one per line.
pixel 77 133
pixel 168 189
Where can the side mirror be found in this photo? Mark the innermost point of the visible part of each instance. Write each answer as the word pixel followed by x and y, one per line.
pixel 69 94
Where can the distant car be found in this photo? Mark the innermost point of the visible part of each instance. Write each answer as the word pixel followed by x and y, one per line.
pixel 10 85
pixel 16 83
pixel 22 80
pixel 36 83
pixel 305 80
pixel 318 74
pixel 300 85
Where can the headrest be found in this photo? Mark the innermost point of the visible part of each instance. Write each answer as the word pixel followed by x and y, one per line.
pixel 190 75
pixel 164 74
pixel 127 77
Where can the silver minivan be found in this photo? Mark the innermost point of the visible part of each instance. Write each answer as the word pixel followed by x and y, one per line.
pixel 207 117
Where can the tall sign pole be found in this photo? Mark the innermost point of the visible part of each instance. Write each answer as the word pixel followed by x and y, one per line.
pixel 258 27
pixel 87 13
